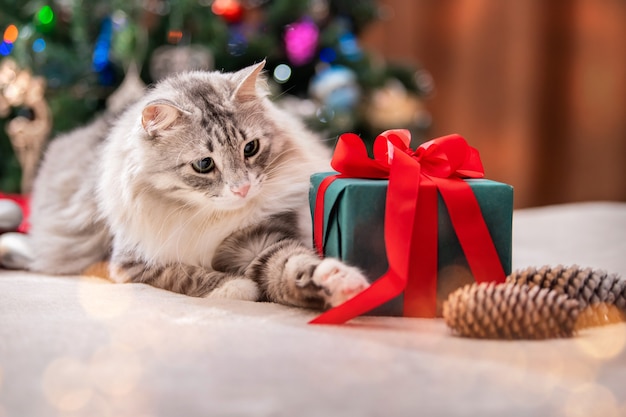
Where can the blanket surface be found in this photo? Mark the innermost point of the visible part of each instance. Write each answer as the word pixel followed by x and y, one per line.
pixel 79 346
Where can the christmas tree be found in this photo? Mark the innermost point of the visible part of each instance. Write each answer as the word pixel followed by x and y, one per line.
pixel 60 60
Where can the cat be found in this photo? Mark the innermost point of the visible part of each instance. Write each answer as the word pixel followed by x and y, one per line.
pixel 199 187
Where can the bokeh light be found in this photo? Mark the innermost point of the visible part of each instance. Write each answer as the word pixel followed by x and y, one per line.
pixel 64 384
pixel 328 55
pixel 45 19
pixel 45 15
pixel 592 399
pixel 39 45
pixel 90 294
pixel 10 34
pixel 174 36
pixel 349 47
pixel 5 48
pixel 26 31
pixel 100 58
pixel 602 344
pixel 282 73
pixel 301 41
pixel 229 10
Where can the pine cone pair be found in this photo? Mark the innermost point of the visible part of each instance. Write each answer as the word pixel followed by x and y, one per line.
pixel 537 304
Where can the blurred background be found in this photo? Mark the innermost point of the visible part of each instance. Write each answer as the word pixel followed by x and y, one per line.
pixel 538 87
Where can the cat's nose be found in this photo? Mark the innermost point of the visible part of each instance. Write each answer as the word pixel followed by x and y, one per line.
pixel 241 190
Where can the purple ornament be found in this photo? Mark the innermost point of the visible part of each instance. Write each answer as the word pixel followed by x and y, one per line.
pixel 301 41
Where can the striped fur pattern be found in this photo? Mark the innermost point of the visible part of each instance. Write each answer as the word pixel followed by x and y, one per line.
pixel 200 187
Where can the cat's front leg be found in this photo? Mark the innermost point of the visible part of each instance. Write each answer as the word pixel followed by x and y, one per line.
pixel 292 274
pixel 186 279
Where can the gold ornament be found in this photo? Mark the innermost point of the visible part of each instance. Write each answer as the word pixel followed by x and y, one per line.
pixel 393 107
pixel 18 87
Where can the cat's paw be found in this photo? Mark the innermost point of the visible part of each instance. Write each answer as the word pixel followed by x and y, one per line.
pixel 339 281
pixel 237 289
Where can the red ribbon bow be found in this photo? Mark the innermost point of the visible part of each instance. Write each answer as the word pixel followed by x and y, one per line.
pixel 411 217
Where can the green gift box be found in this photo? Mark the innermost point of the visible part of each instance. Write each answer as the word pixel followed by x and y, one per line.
pixel 354 212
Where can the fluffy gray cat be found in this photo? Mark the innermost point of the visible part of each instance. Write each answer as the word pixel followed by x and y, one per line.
pixel 200 187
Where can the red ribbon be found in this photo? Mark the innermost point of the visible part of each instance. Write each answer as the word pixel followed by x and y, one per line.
pixel 411 221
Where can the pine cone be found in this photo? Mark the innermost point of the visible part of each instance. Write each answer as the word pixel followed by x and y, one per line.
pixel 585 284
pixel 602 296
pixel 510 311
pixel 538 303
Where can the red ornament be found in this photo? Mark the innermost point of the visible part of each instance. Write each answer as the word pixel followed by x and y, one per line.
pixel 229 10
pixel 24 202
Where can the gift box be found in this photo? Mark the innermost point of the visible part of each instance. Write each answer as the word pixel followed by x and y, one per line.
pixel 354 213
pixel 427 212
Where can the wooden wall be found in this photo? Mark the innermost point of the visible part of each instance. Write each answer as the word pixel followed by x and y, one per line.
pixel 539 87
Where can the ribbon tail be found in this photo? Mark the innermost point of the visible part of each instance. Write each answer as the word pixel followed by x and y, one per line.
pixel 384 289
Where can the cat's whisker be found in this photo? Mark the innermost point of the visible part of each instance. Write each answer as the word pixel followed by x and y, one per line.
pixel 330 139
pixel 282 93
pixel 280 155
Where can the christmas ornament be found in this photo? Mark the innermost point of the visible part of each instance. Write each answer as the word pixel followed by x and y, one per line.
pixel 168 59
pixel 27 134
pixel 301 41
pixel 10 216
pixel 229 10
pixel 336 88
pixel 237 41
pixel 393 106
pixel 537 304
pixel 349 47
pixel 15 251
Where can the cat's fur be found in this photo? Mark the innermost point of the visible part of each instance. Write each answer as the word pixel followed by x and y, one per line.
pixel 125 189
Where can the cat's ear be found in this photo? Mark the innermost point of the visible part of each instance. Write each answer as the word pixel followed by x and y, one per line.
pixel 249 80
pixel 158 116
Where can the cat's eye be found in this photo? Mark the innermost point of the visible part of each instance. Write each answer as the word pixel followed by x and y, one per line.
pixel 251 148
pixel 203 166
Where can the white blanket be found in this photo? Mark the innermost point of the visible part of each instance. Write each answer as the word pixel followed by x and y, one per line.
pixel 73 346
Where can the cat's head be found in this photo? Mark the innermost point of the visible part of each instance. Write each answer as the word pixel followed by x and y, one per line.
pixel 213 138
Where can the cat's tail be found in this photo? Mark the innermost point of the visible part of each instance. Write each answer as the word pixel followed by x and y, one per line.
pixel 16 253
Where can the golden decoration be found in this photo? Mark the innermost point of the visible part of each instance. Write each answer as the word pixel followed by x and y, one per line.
pixel 18 87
